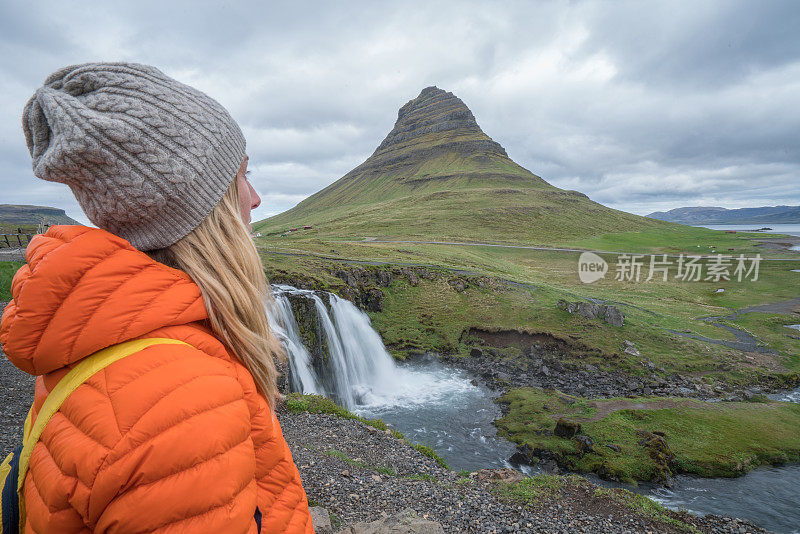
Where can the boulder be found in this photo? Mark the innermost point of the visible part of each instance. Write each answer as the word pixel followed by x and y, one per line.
pixel 629 348
pixel 384 278
pixel 476 352
pixel 590 310
pixel 659 451
pixel 613 316
pixel 404 522
pixel 566 429
pixel 584 444
pixel 593 310
pixel 458 284
pixel 506 475
pixel 321 520
pixel 373 300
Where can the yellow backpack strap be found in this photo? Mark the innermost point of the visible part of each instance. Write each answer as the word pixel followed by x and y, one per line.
pixel 74 378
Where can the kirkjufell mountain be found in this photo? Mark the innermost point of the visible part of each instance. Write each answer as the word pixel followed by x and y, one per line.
pixel 437 175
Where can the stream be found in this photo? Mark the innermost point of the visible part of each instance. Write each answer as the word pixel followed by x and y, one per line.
pixel 445 409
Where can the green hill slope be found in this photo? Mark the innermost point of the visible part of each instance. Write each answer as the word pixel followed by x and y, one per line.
pixel 437 175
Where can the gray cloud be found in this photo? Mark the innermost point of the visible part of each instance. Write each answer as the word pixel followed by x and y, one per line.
pixel 642 106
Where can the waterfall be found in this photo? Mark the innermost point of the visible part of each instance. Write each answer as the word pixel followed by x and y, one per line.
pixel 284 325
pixel 349 363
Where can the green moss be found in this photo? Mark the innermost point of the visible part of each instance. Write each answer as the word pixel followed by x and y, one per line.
pixel 430 453
pixel 386 471
pixel 531 490
pixel 343 457
pixel 706 438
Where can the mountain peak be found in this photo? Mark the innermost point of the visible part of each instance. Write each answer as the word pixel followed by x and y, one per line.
pixel 437 118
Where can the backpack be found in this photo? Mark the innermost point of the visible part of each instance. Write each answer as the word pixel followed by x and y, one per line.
pixel 15 467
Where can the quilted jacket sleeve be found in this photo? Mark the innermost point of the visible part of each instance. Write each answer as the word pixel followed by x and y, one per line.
pixel 185 461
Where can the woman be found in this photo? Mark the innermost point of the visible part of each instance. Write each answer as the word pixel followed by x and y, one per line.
pixel 174 438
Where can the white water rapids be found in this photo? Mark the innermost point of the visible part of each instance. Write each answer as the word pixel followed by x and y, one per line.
pixel 366 377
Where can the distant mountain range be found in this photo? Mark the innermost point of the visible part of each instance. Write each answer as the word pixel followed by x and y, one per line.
pixel 714 215
pixel 438 176
pixel 25 215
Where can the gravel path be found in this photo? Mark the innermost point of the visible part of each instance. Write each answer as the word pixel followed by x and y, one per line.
pixel 359 473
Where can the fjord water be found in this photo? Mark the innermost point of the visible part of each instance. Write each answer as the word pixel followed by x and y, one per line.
pixel 442 408
pixel 784 229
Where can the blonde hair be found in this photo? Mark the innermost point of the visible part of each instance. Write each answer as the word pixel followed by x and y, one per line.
pixel 222 260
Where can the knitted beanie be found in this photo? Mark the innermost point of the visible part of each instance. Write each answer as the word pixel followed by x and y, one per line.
pixel 147 157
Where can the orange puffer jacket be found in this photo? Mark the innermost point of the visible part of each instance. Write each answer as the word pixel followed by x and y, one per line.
pixel 174 438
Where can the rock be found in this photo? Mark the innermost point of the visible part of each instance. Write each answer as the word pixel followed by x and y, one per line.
pixel 550 466
pixel 412 278
pixel 384 278
pixel 321 520
pixel 566 429
pixel 659 451
pixel 590 310
pixel 584 443
pixel 476 352
pixel 405 522
pixel 348 278
pixel 506 475
pixel 373 300
pixel 458 284
pixel 346 473
pixel 630 349
pixel 613 447
pixel 614 317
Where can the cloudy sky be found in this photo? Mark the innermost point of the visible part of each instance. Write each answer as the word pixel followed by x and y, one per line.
pixel 643 106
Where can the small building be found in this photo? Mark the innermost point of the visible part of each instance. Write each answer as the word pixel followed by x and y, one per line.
pixel 730 231
pixel 292 229
pixel 307 227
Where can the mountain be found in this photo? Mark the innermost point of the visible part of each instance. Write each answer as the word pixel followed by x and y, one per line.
pixel 713 215
pixel 437 175
pixel 24 215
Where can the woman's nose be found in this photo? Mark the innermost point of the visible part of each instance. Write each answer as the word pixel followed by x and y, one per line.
pixel 255 200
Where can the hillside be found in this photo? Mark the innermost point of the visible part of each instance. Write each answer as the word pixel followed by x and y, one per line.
pixel 24 215
pixel 437 175
pixel 715 215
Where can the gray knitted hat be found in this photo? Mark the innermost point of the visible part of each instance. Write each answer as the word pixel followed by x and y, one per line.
pixel 146 156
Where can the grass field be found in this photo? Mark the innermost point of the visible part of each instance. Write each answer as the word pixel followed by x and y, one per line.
pixel 432 316
pixel 7 270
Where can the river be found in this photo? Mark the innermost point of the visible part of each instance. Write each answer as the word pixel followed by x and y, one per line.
pixel 446 409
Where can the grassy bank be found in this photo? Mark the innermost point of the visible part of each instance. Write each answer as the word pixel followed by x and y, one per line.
pixel 650 438
pixel 7 271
